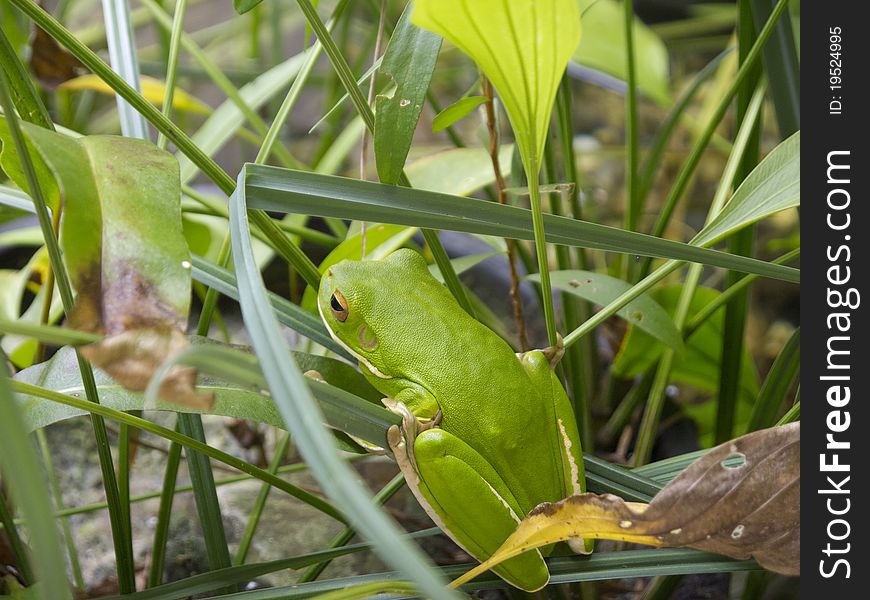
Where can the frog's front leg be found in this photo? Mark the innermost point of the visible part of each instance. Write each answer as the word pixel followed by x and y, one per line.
pixel 464 496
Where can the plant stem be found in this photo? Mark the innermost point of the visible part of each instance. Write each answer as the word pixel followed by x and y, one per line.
pixel 501 186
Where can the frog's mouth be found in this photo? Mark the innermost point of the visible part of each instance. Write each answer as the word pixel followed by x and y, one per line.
pixel 362 359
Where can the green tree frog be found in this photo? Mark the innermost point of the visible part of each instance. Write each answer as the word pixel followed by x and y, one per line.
pixel 487 434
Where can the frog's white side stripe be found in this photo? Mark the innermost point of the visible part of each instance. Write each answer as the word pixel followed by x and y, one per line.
pixel 503 501
pixel 363 360
pixel 575 471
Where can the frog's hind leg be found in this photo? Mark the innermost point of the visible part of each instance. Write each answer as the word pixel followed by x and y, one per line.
pixel 470 502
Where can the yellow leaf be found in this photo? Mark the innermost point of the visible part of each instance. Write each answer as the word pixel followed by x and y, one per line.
pixel 153 90
pixel 741 499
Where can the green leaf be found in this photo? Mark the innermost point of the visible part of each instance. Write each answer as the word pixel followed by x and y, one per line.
pixel 286 190
pixel 698 365
pixel 18 466
pixel 241 399
pixel 243 6
pixel 643 312
pixel 460 171
pixel 455 112
pixel 123 246
pixel 409 61
pixel 603 48
pixel 522 46
pixel 774 185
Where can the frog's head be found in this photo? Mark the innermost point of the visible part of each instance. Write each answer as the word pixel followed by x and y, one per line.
pixel 357 299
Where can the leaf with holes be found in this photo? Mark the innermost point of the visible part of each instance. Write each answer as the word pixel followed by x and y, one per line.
pixel 409 61
pixel 741 499
pixel 643 312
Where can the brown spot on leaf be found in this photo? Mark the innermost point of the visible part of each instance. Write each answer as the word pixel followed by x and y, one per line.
pixel 142 332
pixel 132 357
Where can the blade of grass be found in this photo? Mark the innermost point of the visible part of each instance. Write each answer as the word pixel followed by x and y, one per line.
pixel 164 512
pixel 281 190
pixel 741 243
pixel 205 495
pixel 19 551
pixel 777 384
pixel 304 420
pixel 123 58
pixel 633 206
pixel 27 101
pixel 260 502
pixel 701 142
pixel 648 429
pixel 57 496
pixel 343 538
pixel 782 68
pixel 188 442
pixel 584 358
pixel 654 157
pixel 122 542
pixel 20 467
pixel 173 44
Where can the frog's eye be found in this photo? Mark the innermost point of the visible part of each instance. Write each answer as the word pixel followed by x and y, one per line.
pixel 338 305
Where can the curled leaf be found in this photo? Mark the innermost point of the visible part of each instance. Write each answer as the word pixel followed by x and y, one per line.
pixel 741 499
pixel 124 249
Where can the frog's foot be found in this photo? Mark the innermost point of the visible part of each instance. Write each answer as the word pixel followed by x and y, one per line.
pixel 553 354
pixel 400 438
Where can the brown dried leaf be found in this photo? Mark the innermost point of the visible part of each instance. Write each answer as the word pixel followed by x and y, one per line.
pixel 741 499
pixel 52 64
pixel 132 357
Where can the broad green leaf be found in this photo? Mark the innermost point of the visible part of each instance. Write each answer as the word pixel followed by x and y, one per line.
pixel 154 91
pixel 61 374
pixel 748 509
pixel 36 139
pixel 643 312
pixel 124 249
pixel 603 48
pixel 300 192
pixel 522 46
pixel 774 185
pixel 460 171
pixel 455 112
pixel 409 61
pixel 698 365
